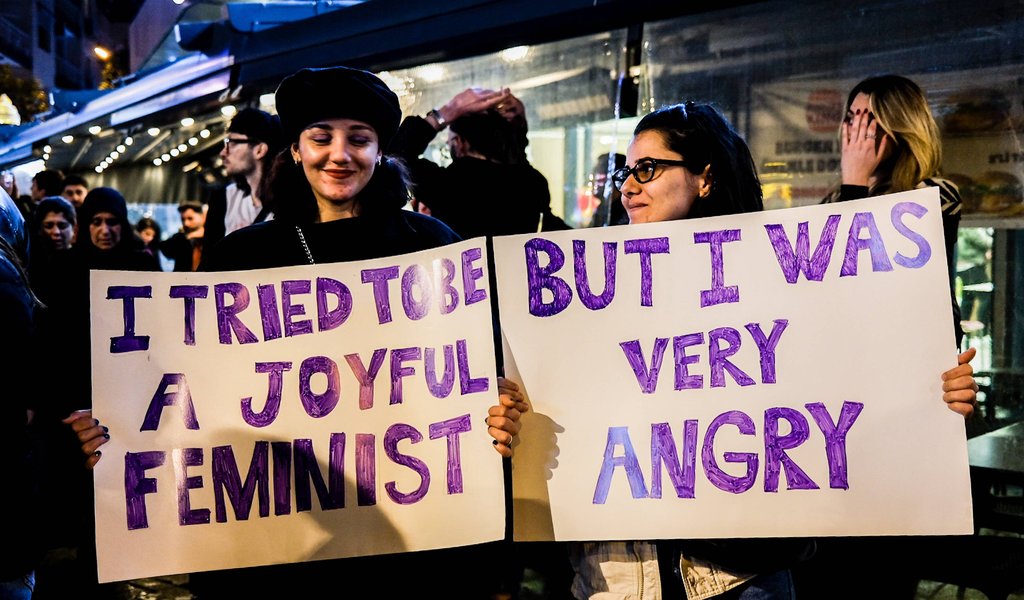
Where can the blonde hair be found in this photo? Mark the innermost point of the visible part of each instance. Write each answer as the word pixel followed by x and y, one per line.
pixel 900 108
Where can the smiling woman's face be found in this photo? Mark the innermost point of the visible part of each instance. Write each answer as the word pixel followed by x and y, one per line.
pixel 338 157
pixel 670 194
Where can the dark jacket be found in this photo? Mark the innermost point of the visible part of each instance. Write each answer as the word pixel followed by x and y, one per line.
pixel 475 197
pixel 19 522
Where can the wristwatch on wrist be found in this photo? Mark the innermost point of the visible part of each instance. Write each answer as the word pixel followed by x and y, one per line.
pixel 440 120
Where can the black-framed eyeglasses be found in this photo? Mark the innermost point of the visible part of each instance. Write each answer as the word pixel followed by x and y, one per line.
pixel 643 171
pixel 228 141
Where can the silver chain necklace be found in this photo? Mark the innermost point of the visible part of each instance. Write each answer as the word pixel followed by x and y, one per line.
pixel 302 238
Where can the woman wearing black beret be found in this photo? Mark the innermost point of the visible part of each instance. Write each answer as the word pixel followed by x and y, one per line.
pixel 338 198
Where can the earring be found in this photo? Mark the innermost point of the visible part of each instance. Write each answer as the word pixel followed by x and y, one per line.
pixel 296 159
pixel 379 159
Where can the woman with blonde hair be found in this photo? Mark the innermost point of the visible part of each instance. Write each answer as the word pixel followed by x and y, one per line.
pixel 890 143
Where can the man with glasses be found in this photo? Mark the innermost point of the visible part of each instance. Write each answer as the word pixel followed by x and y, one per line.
pixel 253 140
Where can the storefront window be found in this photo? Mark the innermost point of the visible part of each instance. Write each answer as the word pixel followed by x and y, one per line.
pixel 781 72
pixel 571 91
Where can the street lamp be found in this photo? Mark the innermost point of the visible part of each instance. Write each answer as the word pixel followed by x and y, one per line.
pixel 102 53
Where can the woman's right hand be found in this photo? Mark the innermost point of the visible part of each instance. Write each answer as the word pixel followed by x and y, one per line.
pixel 90 433
pixel 472 100
pixel 863 147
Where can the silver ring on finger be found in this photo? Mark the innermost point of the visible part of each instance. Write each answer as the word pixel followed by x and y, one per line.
pixel 869 137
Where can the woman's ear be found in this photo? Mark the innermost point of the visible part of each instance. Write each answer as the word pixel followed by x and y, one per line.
pixel 294 150
pixel 706 183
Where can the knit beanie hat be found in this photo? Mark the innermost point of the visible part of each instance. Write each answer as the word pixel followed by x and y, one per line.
pixel 103 199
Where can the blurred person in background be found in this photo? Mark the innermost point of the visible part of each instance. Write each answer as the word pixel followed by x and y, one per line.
pixel 254 138
pixel 52 230
pixel 105 241
pixel 489 188
pixel 149 231
pixel 890 143
pixel 20 523
pixel 74 190
pixel 47 182
pixel 185 247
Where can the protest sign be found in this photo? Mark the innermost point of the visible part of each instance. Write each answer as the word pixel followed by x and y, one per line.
pixel 294 414
pixel 768 374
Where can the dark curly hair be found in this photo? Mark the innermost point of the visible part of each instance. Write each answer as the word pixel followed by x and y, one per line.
pixel 703 136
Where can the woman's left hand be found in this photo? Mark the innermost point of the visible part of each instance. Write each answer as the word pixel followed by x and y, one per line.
pixel 503 418
pixel 959 389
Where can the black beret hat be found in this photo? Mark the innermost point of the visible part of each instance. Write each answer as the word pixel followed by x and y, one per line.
pixel 258 125
pixel 310 95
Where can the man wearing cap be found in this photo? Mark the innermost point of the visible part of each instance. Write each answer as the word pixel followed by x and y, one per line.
pixel 253 140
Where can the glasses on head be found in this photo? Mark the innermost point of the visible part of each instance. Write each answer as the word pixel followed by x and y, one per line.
pixel 228 141
pixel 643 171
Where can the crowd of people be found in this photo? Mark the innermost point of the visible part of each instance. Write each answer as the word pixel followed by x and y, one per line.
pixel 337 176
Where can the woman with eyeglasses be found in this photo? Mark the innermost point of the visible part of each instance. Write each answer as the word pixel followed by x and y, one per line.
pixel 686 161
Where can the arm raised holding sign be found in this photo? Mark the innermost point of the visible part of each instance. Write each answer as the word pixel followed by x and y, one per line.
pixel 686 161
pixel 339 198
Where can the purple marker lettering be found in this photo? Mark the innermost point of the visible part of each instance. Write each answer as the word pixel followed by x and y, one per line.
pixel 619 436
pixel 719 478
pixel 366 469
pixel 646 378
pixel 663 451
pixel 467 384
pixel 835 439
pixel 470 276
pixel 766 346
pixel 189 293
pixel 685 381
pixel 282 452
pixel 266 295
pixel 382 299
pixel 775 447
pixel 579 256
pixel 444 274
pixel 129 342
pixel 180 397
pixel 227 314
pixel 645 248
pixel 439 388
pixel 719 292
pixel 366 376
pixel 291 288
pixel 319 405
pixel 451 429
pixel 415 277
pixel 275 387
pixel 399 371
pixel 227 479
pixel 137 485
pixel 328 318
pixel 873 243
pixel 543 278
pixel 924 250
pixel 794 261
pixel 395 434
pixel 718 357
pixel 330 495
pixel 183 458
